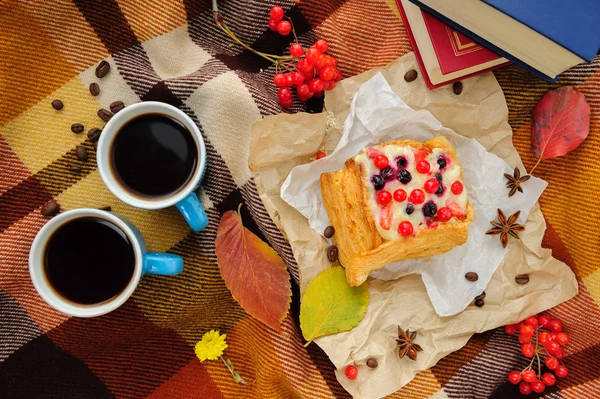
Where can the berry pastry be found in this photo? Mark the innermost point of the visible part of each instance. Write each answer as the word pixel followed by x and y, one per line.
pixel 395 201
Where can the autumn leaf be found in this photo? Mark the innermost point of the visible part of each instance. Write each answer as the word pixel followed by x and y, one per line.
pixel 561 121
pixel 329 305
pixel 253 272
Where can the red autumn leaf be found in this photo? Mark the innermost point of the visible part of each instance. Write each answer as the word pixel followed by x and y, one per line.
pixel 253 272
pixel 561 121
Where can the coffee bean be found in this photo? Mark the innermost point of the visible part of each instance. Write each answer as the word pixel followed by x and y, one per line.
pixel 102 69
pixel 116 106
pixel 94 89
pixel 57 105
pixel 74 169
pixel 105 114
pixel 479 303
pixel 457 88
pixel 50 209
pixel 522 279
pixel 480 296
pixel 372 363
pixel 81 153
pixel 471 276
pixel 77 128
pixel 332 253
pixel 94 134
pixel 329 232
pixel 410 75
pixel 106 208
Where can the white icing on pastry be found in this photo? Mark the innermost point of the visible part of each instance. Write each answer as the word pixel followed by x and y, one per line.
pixel 450 173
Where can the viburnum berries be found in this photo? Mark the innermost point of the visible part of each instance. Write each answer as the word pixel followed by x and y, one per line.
pixel 548 379
pixel 525 388
pixel 381 161
pixel 351 372
pixel 537 343
pixel 318 71
pixel 515 377
pixel 320 154
pixel 310 71
pixel 296 50
pixel 384 197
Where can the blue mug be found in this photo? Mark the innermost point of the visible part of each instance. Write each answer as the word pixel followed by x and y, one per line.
pixel 145 263
pixel 184 199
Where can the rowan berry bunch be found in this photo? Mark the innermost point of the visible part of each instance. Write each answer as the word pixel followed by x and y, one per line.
pixel 540 336
pixel 308 72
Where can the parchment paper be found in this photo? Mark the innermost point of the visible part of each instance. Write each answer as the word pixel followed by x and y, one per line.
pixel 378 115
pixel 281 142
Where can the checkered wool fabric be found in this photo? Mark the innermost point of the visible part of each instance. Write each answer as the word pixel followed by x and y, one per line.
pixel 171 51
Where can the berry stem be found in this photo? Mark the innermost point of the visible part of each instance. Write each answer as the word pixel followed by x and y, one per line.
pixel 530 364
pixel 537 354
pixel 293 29
pixel 271 57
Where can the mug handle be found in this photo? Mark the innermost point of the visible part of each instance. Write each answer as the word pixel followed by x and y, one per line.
pixel 192 212
pixel 161 263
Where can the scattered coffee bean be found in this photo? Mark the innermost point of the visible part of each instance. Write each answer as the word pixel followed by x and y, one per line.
pixel 95 144
pixel 102 69
pixel 472 276
pixel 106 208
pixel 74 168
pixel 77 128
pixel 57 105
pixel 479 303
pixel 457 88
pixel 116 106
pixel 522 279
pixel 372 363
pixel 105 114
pixel 480 296
pixel 94 89
pixel 329 232
pixel 410 75
pixel 50 209
pixel 81 153
pixel 332 253
pixel 94 134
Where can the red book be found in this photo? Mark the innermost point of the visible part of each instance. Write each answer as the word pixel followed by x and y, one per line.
pixel 444 55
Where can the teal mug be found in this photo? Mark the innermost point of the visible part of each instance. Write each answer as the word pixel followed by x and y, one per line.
pixel 144 262
pixel 185 198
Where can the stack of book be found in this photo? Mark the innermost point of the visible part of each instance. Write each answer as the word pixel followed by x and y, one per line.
pixel 461 38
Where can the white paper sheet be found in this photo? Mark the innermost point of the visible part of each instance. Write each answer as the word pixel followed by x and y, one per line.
pixel 378 115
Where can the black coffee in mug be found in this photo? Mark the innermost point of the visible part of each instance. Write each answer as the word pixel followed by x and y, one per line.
pixel 154 155
pixel 89 260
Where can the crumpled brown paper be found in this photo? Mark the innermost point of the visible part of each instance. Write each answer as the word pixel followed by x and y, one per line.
pixel 281 142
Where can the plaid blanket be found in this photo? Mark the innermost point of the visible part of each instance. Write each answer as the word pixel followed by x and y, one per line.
pixel 171 51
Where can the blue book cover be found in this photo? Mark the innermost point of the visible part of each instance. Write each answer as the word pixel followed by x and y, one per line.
pixel 574 24
pixel 497 50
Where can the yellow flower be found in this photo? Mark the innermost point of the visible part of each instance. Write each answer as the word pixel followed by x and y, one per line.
pixel 211 346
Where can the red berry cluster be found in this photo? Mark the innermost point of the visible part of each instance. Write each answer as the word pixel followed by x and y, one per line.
pixel 311 72
pixel 539 336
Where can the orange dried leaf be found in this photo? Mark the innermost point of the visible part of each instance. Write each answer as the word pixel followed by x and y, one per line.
pixel 253 272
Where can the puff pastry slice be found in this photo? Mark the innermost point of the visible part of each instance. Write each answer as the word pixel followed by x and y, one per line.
pixel 368 227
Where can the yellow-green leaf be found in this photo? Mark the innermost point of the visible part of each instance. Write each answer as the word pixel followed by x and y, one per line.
pixel 329 305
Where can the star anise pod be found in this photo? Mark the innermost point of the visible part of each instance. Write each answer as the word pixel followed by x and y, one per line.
pixel 505 227
pixel 406 344
pixel 515 181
